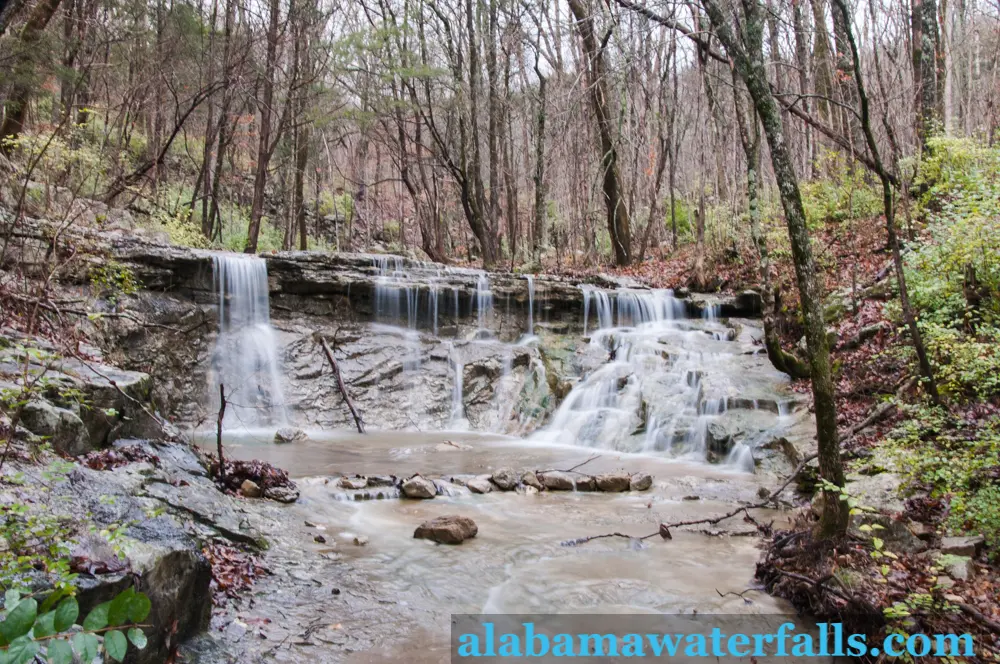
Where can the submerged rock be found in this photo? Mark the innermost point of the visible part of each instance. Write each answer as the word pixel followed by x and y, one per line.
pixel 289 435
pixel 505 479
pixel 613 482
pixel 353 482
pixel 450 529
pixel 640 482
pixel 419 487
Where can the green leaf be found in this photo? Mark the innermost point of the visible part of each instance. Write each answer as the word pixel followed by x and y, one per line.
pixel 118 610
pixel 44 626
pixel 138 608
pixel 97 618
pixel 22 650
pixel 137 637
pixel 66 614
pixel 59 652
pixel 10 599
pixel 19 621
pixel 85 646
pixel 116 645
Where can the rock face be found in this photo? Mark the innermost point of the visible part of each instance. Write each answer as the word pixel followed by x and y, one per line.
pixel 612 482
pixel 419 487
pixel 447 529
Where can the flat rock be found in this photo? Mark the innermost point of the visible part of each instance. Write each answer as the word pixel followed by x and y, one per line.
pixel 640 482
pixel 450 529
pixel 419 487
pixel 505 479
pixel 353 482
pixel 613 482
pixel 479 485
pixel 962 546
pixel 209 506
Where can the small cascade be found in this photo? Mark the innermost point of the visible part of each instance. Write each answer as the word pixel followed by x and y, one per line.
pixel 434 306
pixel 484 304
pixel 246 351
pixel 457 392
pixel 531 303
pixel 602 304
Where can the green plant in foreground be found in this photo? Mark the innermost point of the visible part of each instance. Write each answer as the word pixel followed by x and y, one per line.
pixel 50 629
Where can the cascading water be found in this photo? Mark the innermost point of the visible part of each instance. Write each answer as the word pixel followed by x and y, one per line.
pixel 531 303
pixel 245 361
pixel 484 304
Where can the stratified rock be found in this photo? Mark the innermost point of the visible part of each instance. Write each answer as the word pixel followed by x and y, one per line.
pixel 451 529
pixel 419 487
pixel 556 480
pixel 289 435
pixel 505 479
pixel 282 494
pixel 353 482
pixel 612 482
pixel 962 546
pixel 530 479
pixel 640 482
pixel 479 485
pixel 250 489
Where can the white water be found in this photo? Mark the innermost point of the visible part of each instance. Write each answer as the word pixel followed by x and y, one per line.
pixel 531 304
pixel 245 360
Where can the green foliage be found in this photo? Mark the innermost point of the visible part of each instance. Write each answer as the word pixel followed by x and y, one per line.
pixel 955 460
pixel 339 206
pixel 846 194
pixel 965 367
pixel 113 280
pixel 28 629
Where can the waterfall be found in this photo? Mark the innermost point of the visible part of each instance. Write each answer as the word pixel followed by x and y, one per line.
pixel 457 406
pixel 484 304
pixel 246 356
pixel 531 303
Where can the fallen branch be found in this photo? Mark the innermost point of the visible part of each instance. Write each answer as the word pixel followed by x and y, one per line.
pixel 596 456
pixel 340 382
pixel 218 433
pixel 664 529
pixel 972 611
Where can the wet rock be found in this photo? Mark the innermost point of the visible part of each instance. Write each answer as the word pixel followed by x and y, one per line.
pixel 419 487
pixel 613 482
pixel 556 480
pixel 451 529
pixel 585 483
pixel 360 540
pixel 962 546
pixel 203 502
pixel 529 478
pixel 282 494
pixel 640 482
pixel 319 539
pixel 526 490
pixel 353 482
pixel 289 435
pixel 382 480
pixel 479 485
pixel 505 479
pixel 250 489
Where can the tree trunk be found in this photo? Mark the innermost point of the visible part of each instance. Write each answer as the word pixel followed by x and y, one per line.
pixel 924 27
pixel 538 236
pixel 619 224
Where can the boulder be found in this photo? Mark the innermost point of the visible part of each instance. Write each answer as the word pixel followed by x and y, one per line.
pixel 289 435
pixel 530 479
pixel 613 482
pixel 962 546
pixel 282 494
pixel 419 487
pixel 479 485
pixel 66 431
pixel 451 529
pixel 585 483
pixel 250 489
pixel 640 482
pixel 556 480
pixel 505 479
pixel 382 480
pixel 353 482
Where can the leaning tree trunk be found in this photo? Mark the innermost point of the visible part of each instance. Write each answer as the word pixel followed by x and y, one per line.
pixel 750 66
pixel 618 214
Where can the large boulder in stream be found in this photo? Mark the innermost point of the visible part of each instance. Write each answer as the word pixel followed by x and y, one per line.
pixel 640 482
pixel 449 529
pixel 613 482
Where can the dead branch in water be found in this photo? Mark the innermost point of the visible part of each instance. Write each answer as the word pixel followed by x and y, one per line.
pixel 218 433
pixel 573 469
pixel 664 529
pixel 340 381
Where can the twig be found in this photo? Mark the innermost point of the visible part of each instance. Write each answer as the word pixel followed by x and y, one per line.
pixel 978 615
pixel 340 381
pixel 817 583
pixel 596 456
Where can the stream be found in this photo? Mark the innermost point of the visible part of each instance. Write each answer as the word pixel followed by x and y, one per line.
pixel 690 401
